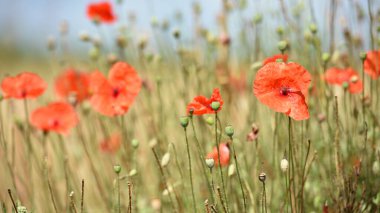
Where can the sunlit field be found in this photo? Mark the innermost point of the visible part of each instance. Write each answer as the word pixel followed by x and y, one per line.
pixel 271 112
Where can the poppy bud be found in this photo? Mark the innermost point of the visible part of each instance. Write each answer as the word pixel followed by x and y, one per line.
pixel 280 31
pixel 282 45
pixel 111 59
pixel 354 79
pixel 132 173
pixel 165 159
pixel 22 209
pixel 121 41
pixel 83 36
pixel 197 8
pixel 176 33
pixel 363 56
pixel 231 170
pixel 257 19
pixel 165 25
pixel 313 28
pixel 94 53
pixel 143 42
pixel 117 169
pixel 284 165
pixel 345 85
pixel 210 120
pixel 262 177
pixel 229 131
pixel 153 143
pixel 308 36
pixel 224 39
pixel 154 21
pixel 97 41
pixel 184 121
pixel 135 143
pixel 215 105
pixel 210 163
pixel 326 57
pixel 51 43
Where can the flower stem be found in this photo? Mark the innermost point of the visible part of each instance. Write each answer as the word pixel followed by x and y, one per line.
pixel 238 174
pixel 217 142
pixel 191 174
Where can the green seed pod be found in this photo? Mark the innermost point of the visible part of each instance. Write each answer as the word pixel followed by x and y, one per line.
pixel 210 120
pixel 215 105
pixel 282 45
pixel 313 28
pixel 326 57
pixel 184 121
pixel 135 143
pixel 210 163
pixel 117 169
pixel 363 56
pixel 229 130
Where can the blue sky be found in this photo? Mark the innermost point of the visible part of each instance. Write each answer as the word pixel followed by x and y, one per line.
pixel 30 22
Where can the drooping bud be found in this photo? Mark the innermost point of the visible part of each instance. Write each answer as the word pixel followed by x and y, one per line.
pixel 210 163
pixel 282 45
pixel 117 169
pixel 262 177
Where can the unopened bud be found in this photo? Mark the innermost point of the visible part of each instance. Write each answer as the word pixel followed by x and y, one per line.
pixel 363 56
pixel 135 143
pixel 215 105
pixel 282 45
pixel 117 169
pixel 262 177
pixel 210 163
pixel 313 28
pixel 210 120
pixel 284 165
pixel 326 57
pixel 184 120
pixel 229 130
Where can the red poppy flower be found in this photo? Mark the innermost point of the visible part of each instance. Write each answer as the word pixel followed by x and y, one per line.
pixel 372 64
pixel 112 144
pixel 114 96
pixel 224 151
pixel 274 58
pixel 340 76
pixel 23 86
pixel 72 83
pixel 202 105
pixel 283 87
pixel 101 12
pixel 58 117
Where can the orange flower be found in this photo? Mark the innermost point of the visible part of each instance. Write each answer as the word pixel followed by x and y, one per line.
pixel 73 83
pixel 114 96
pixel 340 76
pixel 202 105
pixel 23 86
pixel 275 57
pixel 224 151
pixel 101 12
pixel 58 117
pixel 112 144
pixel 283 87
pixel 372 64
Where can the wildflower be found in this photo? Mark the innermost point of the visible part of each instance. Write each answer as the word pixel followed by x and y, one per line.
pixel 23 86
pixel 73 83
pixel 275 58
pixel 58 117
pixel 101 12
pixel 345 77
pixel 283 87
pixel 372 64
pixel 202 105
pixel 224 151
pixel 111 144
pixel 284 165
pixel 114 96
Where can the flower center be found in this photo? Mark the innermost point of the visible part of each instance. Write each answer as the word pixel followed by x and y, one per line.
pixel 285 91
pixel 115 92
